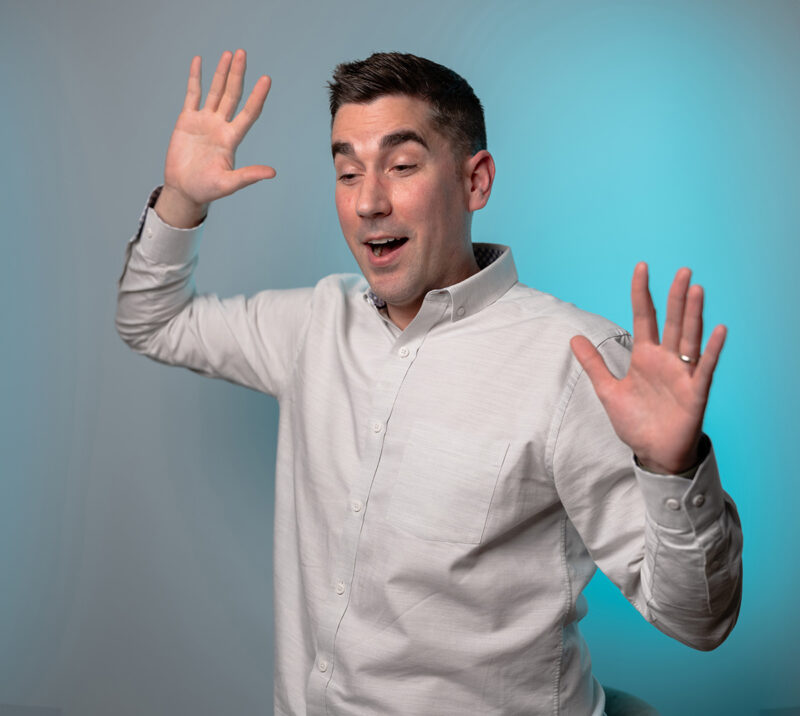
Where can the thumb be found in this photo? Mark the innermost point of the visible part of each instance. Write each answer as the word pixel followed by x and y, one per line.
pixel 594 365
pixel 240 178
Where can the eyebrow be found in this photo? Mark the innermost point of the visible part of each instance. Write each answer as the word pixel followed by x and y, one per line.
pixel 387 142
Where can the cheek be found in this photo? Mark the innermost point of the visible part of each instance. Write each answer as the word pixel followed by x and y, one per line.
pixel 421 202
pixel 344 211
pixel 348 222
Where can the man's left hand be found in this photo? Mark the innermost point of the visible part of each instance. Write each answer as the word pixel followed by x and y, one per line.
pixel 657 408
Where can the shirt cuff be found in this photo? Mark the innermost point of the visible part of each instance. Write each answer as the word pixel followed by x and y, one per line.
pixel 166 244
pixel 674 503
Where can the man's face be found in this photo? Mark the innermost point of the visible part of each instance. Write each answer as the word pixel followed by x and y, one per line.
pixel 397 179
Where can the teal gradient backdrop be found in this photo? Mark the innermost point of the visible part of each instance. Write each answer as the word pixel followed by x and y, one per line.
pixel 136 499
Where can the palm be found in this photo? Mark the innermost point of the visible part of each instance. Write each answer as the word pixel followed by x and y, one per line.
pixel 201 154
pixel 202 150
pixel 657 408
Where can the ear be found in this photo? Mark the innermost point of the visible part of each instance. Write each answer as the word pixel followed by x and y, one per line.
pixel 479 177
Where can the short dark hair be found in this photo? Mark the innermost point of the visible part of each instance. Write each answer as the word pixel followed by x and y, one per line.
pixel 455 110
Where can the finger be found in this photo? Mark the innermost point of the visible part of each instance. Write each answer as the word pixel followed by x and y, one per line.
pixel 252 108
pixel 645 328
pixel 193 87
pixel 676 304
pixel 708 361
pixel 592 362
pixel 218 83
pixel 233 88
pixel 692 331
pixel 240 178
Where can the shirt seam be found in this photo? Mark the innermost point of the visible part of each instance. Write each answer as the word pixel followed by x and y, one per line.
pixel 652 580
pixel 301 342
pixel 567 589
pixel 556 424
pixel 300 345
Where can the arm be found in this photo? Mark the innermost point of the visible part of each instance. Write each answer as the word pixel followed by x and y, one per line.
pixel 671 544
pixel 687 579
pixel 249 341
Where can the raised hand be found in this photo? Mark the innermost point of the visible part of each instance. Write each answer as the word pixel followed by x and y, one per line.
pixel 657 408
pixel 200 158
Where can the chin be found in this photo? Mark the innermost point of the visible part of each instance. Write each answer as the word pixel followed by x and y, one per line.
pixel 397 287
pixel 389 291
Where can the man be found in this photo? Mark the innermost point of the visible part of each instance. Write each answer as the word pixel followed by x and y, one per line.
pixel 448 473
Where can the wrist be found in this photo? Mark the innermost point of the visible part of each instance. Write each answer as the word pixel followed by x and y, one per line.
pixel 659 469
pixel 177 210
pixel 680 465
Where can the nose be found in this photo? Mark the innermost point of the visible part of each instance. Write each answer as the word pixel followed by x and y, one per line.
pixel 373 200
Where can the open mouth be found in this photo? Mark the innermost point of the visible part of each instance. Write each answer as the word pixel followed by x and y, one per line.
pixel 383 247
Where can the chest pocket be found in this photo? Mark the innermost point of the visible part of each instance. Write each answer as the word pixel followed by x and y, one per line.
pixel 444 486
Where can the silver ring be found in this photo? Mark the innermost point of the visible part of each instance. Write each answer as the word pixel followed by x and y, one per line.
pixel 687 359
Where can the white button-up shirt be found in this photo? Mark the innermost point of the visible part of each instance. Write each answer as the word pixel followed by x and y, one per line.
pixel 443 493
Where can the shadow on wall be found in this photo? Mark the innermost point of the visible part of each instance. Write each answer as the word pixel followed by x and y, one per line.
pixel 621 703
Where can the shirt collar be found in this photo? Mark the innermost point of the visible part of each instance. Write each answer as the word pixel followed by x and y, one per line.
pixel 497 274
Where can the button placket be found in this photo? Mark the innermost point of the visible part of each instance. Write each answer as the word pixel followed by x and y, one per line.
pixel 384 394
pixel 383 397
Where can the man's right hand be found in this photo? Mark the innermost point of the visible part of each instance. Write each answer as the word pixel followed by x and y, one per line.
pixel 200 157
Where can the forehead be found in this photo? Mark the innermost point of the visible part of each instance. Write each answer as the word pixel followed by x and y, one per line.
pixel 363 125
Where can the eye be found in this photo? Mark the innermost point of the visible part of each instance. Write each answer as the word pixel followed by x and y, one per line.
pixel 404 168
pixel 347 178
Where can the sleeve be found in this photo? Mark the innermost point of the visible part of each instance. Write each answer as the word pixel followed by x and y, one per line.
pixel 248 341
pixel 672 545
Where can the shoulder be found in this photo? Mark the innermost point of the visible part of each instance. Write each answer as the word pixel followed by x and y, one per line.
pixel 340 295
pixel 552 316
pixel 343 287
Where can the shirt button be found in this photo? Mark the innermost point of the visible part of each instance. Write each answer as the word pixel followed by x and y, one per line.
pixel 699 500
pixel 673 504
pixel 149 231
pixel 340 587
pixel 377 427
pixel 403 352
pixel 461 310
pixel 357 505
pixel 715 565
pixel 322 665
